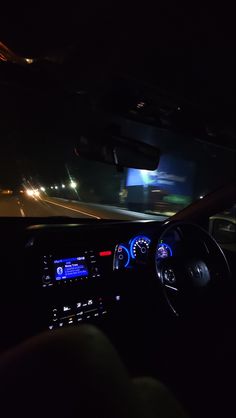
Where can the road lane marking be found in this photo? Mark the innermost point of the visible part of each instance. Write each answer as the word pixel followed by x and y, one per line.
pixel 22 213
pixel 75 210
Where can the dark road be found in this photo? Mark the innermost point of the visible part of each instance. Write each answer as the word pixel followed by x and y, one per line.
pixel 24 206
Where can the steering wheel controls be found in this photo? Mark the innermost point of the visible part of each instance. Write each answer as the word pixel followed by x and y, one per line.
pixel 193 271
pixel 169 276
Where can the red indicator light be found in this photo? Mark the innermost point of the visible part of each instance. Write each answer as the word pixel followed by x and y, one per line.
pixel 105 253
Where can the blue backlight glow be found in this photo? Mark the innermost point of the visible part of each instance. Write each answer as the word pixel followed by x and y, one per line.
pixel 70 268
pixel 128 255
pixel 164 250
pixel 138 239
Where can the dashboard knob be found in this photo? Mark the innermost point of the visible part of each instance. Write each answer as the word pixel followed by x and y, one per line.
pixel 46 279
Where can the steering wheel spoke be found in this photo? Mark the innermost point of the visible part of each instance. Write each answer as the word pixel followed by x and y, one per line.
pixel 190 279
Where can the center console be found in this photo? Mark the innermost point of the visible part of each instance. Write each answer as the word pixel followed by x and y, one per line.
pixel 62 271
pixel 78 288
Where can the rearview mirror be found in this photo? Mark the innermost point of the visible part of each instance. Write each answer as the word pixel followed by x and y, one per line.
pixel 119 151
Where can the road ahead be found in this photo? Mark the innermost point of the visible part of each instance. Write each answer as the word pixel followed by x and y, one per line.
pixel 22 206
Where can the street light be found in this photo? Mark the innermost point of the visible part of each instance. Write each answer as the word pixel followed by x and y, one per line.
pixel 42 189
pixel 56 187
pixel 51 187
pixel 63 186
pixel 30 192
pixel 73 185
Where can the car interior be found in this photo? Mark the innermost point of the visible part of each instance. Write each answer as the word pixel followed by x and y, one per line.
pixel 161 289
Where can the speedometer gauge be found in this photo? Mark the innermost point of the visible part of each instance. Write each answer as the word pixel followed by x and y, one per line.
pixel 163 250
pixel 139 247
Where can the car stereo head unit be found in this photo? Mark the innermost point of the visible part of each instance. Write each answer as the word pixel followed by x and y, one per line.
pixel 69 270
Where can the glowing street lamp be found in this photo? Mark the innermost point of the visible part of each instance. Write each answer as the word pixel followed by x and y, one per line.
pixel 73 185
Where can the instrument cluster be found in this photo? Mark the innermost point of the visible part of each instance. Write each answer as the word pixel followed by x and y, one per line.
pixel 136 251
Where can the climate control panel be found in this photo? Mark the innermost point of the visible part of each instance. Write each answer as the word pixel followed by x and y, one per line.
pixel 84 310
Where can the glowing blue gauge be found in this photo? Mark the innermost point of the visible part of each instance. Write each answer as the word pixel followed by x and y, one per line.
pixel 121 257
pixel 163 250
pixel 139 247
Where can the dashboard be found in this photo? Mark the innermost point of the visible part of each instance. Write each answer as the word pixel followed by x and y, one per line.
pixel 86 279
pixel 62 274
pixel 68 274
pixel 58 275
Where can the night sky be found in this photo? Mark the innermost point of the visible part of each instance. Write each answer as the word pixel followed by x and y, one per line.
pixel 185 50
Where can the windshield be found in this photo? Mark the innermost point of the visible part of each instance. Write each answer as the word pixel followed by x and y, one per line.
pixel 39 180
pixel 166 79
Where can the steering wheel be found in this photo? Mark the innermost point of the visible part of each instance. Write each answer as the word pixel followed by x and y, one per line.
pixel 195 277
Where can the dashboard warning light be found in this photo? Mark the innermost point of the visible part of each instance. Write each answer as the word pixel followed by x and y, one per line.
pixel 105 253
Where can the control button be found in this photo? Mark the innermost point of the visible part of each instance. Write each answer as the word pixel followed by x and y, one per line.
pixel 94 270
pixel 90 302
pixel 60 324
pixel 66 308
pixel 80 313
pixel 169 275
pixel 46 279
pixel 78 305
pixel 51 327
pixel 117 298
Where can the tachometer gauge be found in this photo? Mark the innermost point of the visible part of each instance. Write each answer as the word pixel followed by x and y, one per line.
pixel 121 257
pixel 163 250
pixel 139 247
